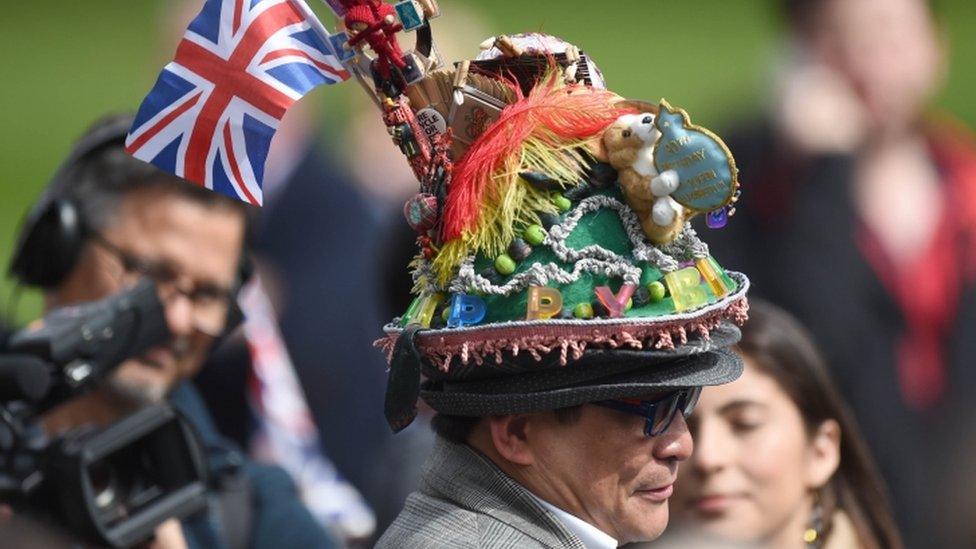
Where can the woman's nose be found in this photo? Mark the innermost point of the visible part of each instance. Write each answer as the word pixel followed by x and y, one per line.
pixel 711 450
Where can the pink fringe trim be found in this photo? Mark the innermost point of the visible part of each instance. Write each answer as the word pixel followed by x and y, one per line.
pixel 570 340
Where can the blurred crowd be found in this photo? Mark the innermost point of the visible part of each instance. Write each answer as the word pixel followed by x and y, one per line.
pixel 858 218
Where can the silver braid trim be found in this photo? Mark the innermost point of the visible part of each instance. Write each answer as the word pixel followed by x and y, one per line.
pixel 590 259
pixel 686 246
pixel 642 249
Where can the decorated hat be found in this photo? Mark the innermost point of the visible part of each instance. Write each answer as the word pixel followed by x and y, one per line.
pixel 556 264
pixel 555 260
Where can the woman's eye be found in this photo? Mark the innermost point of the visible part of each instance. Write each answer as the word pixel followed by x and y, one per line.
pixel 745 426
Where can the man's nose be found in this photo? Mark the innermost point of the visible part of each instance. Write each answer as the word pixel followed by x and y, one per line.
pixel 179 314
pixel 675 443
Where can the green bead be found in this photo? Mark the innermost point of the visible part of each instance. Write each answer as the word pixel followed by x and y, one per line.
pixel 445 314
pixel 657 291
pixel 504 264
pixel 411 312
pixel 583 310
pixel 561 202
pixel 534 234
pixel 630 304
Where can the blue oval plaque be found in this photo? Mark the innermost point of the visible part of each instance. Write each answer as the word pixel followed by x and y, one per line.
pixel 706 170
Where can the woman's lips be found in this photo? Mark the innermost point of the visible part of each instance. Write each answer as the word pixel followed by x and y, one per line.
pixel 658 495
pixel 714 504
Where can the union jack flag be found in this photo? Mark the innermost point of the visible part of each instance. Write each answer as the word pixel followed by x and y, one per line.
pixel 214 109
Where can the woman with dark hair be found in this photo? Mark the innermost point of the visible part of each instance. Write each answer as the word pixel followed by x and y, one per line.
pixel 861 221
pixel 778 460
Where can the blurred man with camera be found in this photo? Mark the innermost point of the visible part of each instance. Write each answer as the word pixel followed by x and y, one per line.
pixel 108 220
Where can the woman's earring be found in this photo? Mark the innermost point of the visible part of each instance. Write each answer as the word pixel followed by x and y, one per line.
pixel 813 535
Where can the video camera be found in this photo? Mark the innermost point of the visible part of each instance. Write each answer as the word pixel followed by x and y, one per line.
pixel 113 485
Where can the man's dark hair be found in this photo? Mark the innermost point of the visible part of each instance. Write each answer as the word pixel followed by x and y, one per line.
pixel 457 429
pixel 96 182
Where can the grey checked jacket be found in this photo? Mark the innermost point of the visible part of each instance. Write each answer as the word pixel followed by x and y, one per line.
pixel 465 502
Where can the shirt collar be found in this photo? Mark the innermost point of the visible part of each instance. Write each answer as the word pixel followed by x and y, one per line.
pixel 591 536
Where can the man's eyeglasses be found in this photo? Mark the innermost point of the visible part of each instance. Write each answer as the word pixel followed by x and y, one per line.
pixel 210 301
pixel 659 413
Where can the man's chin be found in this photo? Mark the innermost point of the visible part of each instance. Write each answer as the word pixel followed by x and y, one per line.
pixel 651 524
pixel 136 392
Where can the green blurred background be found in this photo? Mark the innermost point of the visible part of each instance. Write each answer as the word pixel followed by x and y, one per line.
pixel 65 63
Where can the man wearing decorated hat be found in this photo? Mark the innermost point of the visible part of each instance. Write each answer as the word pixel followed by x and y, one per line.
pixel 567 316
pixel 566 313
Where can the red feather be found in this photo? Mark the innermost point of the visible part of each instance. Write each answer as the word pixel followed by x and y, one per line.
pixel 569 113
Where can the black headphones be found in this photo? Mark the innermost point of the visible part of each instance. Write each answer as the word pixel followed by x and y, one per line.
pixel 53 232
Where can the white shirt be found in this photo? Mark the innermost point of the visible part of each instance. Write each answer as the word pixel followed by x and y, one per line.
pixel 592 537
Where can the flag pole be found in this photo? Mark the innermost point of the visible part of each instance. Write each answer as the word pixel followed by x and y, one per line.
pixel 325 35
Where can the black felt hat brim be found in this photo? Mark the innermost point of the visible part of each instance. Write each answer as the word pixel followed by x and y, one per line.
pixel 602 375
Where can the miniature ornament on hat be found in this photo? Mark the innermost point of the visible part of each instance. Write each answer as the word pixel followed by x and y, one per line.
pixel 630 144
pixel 704 166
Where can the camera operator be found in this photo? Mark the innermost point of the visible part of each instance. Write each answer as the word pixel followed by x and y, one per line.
pixel 107 220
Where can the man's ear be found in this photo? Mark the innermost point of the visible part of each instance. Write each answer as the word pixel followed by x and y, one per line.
pixel 824 454
pixel 510 435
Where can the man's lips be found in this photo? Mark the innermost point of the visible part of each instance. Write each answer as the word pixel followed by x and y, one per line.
pixel 658 494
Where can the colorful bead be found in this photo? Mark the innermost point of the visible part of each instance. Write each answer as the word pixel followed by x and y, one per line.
pixel 411 311
pixel 504 264
pixel 642 296
pixel 562 203
pixel 729 283
pixel 656 291
pixel 548 219
pixel 583 310
pixel 712 277
pixel 421 211
pixel 519 249
pixel 716 219
pixel 534 235
pixel 428 307
pixel 543 303
pixel 492 276
pixel 685 288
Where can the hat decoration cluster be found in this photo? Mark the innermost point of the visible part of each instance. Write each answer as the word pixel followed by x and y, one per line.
pixel 552 214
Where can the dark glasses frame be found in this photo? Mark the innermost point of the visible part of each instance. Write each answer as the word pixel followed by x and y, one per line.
pixel 659 413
